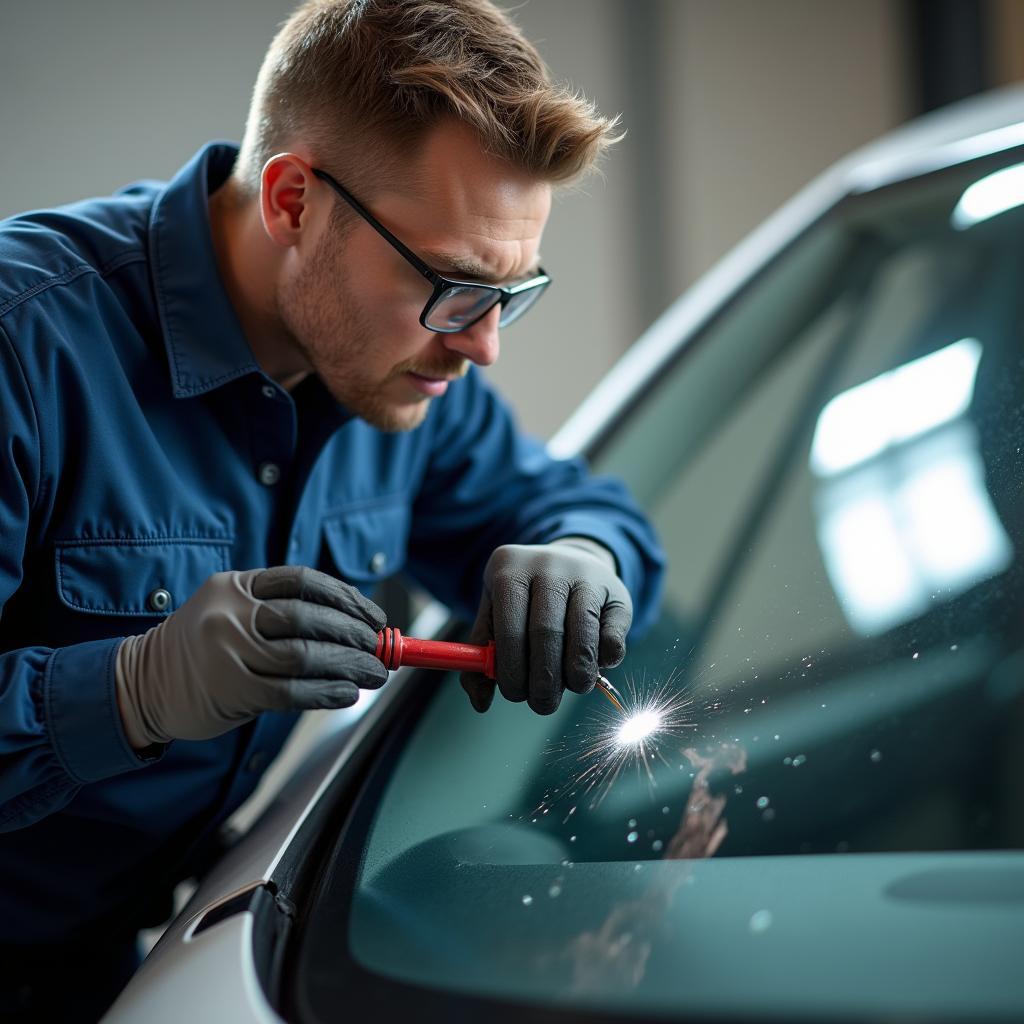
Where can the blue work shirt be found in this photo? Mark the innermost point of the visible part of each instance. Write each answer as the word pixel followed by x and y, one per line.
pixel 143 450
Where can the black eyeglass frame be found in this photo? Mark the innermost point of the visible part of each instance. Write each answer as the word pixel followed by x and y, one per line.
pixel 441 284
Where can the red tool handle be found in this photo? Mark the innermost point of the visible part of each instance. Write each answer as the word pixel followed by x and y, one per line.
pixel 396 650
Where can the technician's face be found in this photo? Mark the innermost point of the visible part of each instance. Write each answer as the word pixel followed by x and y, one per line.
pixel 353 309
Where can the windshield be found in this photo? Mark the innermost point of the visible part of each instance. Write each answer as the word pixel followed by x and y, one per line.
pixel 835 468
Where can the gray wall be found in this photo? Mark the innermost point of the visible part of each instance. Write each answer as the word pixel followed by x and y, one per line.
pixel 730 106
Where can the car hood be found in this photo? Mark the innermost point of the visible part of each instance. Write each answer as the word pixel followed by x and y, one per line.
pixel 847 935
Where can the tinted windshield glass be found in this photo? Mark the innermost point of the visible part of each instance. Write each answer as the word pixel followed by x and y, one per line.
pixel 836 469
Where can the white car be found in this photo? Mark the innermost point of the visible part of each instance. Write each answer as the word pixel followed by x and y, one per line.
pixel 827 820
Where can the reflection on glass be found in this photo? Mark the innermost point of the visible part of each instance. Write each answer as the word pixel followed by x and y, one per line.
pixel 868 563
pixel 992 195
pixel 918 522
pixel 894 407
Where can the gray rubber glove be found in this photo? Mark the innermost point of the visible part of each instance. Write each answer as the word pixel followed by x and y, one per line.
pixel 557 613
pixel 281 639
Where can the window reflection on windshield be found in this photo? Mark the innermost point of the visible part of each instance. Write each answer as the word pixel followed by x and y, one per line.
pixel 902 510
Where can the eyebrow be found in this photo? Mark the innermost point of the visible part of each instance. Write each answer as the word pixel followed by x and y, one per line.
pixel 469 267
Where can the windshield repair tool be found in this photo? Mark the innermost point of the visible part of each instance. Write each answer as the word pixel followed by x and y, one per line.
pixel 396 650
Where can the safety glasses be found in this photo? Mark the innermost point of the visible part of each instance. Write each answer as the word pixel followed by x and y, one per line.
pixel 454 305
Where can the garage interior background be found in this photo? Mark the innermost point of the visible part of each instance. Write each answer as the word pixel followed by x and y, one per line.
pixel 730 106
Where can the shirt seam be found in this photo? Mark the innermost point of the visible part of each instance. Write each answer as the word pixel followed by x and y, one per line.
pixel 217 540
pixel 35 798
pixel 208 383
pixel 115 263
pixel 35 416
pixel 122 259
pixel 362 504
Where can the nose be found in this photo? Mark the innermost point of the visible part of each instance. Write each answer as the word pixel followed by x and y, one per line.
pixel 479 343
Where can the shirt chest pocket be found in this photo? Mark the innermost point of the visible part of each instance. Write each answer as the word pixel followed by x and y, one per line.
pixel 138 577
pixel 368 544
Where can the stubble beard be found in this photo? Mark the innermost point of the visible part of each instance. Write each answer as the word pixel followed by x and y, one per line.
pixel 332 342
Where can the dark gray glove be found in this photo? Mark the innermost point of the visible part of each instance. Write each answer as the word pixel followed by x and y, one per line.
pixel 281 639
pixel 557 613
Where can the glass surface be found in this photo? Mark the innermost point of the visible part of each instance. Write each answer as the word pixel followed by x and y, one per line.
pixel 519 303
pixel 460 305
pixel 836 469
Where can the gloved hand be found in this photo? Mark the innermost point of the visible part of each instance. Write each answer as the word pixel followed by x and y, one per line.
pixel 281 639
pixel 557 613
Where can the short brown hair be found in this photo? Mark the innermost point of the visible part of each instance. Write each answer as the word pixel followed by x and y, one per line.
pixel 360 81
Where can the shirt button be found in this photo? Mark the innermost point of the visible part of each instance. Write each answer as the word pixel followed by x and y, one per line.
pixel 159 600
pixel 269 391
pixel 379 562
pixel 269 473
pixel 258 761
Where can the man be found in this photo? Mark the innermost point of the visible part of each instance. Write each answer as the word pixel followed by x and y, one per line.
pixel 272 362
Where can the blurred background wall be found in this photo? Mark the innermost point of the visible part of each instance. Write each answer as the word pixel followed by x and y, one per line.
pixel 730 106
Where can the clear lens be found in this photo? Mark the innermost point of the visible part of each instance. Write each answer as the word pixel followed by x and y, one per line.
pixel 461 305
pixel 519 303
pixel 457 307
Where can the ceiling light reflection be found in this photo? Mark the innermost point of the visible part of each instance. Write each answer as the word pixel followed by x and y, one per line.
pixel 990 196
pixel 917 525
pixel 894 407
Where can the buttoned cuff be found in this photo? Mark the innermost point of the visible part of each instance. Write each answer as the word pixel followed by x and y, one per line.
pixel 82 718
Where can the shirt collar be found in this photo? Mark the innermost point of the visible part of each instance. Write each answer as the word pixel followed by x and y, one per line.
pixel 206 346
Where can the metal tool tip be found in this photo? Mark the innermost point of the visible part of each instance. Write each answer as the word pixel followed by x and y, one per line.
pixel 610 692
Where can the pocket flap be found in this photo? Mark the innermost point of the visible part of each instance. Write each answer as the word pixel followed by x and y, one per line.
pixel 136 577
pixel 368 544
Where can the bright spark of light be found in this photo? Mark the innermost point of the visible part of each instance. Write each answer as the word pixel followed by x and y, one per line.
pixel 638 727
pixel 657 718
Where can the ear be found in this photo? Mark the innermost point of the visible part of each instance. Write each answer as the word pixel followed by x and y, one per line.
pixel 286 197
